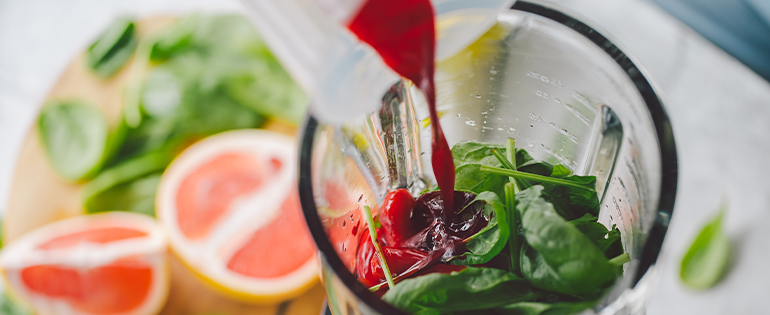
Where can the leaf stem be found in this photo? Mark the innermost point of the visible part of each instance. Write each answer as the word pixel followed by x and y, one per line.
pixel 620 260
pixel 510 202
pixel 511 150
pixel 506 163
pixel 532 177
pixel 373 233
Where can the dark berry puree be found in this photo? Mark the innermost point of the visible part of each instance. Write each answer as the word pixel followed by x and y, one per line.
pixel 414 237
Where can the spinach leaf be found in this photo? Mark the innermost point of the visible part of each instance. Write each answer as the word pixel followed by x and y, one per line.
pixel 559 171
pixel 536 167
pixel 103 191
pixel 705 262
pixel 468 159
pixel 9 307
pixel 539 308
pixel 490 241
pixel 74 136
pixel 107 55
pixel 558 257
pixel 135 196
pixel 608 241
pixel 470 289
pixel 468 177
pixel 234 61
pixel 175 39
pixel 572 202
pixel 470 152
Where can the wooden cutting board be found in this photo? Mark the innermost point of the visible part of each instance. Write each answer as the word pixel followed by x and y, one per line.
pixel 38 196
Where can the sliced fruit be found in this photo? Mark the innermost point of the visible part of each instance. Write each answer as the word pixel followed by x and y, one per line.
pixel 231 208
pixel 109 263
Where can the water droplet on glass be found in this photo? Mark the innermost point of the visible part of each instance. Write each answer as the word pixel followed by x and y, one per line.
pixel 557 100
pixel 344 222
pixel 539 93
pixel 470 123
pixel 485 121
pixel 499 129
pixel 359 200
pixel 493 71
pixel 477 95
pixel 564 141
pixel 486 128
pixel 483 113
pixel 511 129
pixel 531 126
pixel 458 115
pixel 499 118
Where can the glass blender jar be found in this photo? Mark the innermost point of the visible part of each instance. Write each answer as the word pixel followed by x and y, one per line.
pixel 565 92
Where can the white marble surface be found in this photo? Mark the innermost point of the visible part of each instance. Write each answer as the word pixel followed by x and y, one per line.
pixel 719 111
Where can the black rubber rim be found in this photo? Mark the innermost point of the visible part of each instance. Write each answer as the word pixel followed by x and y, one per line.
pixel 663 130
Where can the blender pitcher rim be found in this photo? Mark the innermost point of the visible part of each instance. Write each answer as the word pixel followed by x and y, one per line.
pixel 663 131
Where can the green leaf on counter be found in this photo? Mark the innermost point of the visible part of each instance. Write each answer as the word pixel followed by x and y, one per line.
pixel 9 307
pixel 232 60
pixel 107 55
pixel 467 290
pixel 135 196
pixel 74 136
pixel 105 190
pixel 706 261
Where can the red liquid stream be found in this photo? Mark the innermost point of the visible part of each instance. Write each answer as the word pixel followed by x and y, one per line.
pixel 403 33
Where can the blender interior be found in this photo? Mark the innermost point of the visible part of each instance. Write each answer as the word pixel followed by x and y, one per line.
pixel 562 90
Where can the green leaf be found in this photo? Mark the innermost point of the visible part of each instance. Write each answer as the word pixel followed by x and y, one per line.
pixel 559 171
pixel 558 257
pixel 74 136
pixel 175 39
pixel 232 60
pixel 481 153
pixel 468 177
pixel 470 289
pixel 536 167
pixel 490 241
pixel 608 241
pixel 705 262
pixel 573 202
pixel 93 192
pixel 538 308
pixel 134 196
pixel 9 307
pixel 468 159
pixel 108 54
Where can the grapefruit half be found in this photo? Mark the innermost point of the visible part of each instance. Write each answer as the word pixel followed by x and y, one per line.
pixel 110 263
pixel 232 211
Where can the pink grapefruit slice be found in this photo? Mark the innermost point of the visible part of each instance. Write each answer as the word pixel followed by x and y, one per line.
pixel 110 263
pixel 231 208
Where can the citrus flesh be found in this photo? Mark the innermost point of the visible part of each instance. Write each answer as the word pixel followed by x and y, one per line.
pixel 110 263
pixel 233 214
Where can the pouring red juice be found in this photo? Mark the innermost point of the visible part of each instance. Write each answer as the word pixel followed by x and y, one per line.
pixel 416 234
